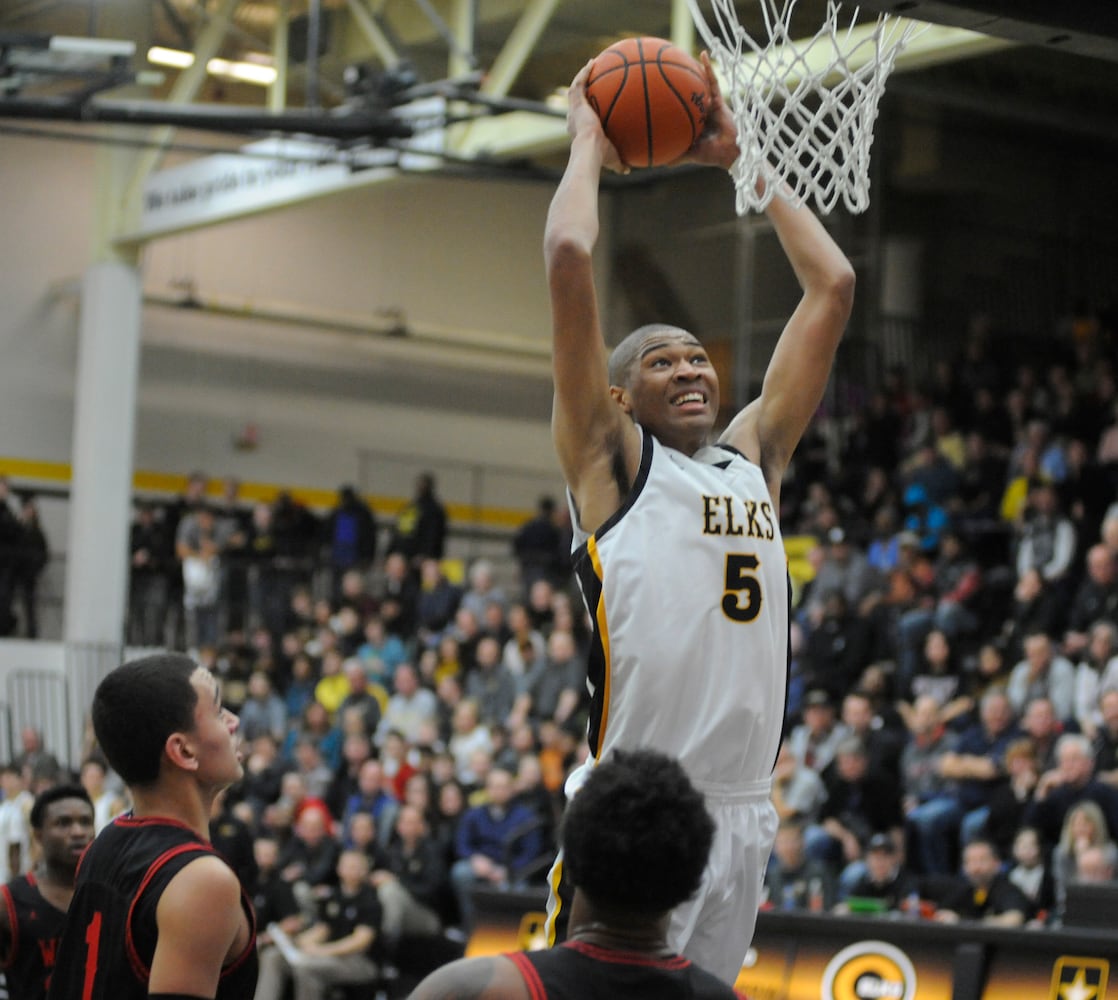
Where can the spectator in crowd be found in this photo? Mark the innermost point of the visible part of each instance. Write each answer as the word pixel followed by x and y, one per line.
pixel 525 647
pixel 984 893
pixel 1012 798
pixel 412 884
pixel 151 561
pixel 362 698
pixel 1071 781
pixel 380 652
pixel 844 568
pixel 883 741
pixel 1042 729
pixel 309 859
pixel 1084 827
pixel 886 879
pixel 356 749
pixel 938 676
pixel 798 792
pixel 838 645
pixel 10 540
pixel 931 807
pixel 490 685
pixel 232 837
pixel 1048 538
pixel 860 802
pixel 1105 744
pixel 1032 874
pixel 263 712
pixel 793 880
pixel 436 602
pixel 198 545
pixel 1096 671
pixel 410 708
pixel 1037 607
pixel 31 558
pixel 813 741
pixel 950 605
pixel 1043 673
pixel 489 846
pixel 977 762
pixel 108 802
pixel 372 796
pixel 553 688
pixel 350 536
pixel 469 735
pixel 483 590
pixel 1095 600
pixel 421 526
pixel 15 834
pixel 337 949
pixel 537 546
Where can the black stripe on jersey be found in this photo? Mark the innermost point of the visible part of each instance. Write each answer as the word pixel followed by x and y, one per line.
pixel 733 451
pixel 591 588
pixel 787 671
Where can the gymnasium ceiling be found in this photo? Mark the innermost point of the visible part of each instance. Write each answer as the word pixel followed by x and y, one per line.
pixel 1054 64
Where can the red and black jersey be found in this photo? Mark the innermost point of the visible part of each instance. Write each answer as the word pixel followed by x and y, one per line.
pixel 576 970
pixel 111 933
pixel 37 926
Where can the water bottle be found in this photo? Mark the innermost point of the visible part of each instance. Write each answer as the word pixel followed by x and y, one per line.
pixel 815 895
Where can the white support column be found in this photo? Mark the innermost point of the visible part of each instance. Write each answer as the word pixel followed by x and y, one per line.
pixel 102 447
pixel 101 483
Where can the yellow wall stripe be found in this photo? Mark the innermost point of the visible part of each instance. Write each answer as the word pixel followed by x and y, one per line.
pixel 147 481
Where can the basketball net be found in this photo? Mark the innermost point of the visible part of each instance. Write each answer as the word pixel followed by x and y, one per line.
pixel 804 110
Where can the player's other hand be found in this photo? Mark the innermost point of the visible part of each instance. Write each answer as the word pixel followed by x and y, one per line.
pixel 583 120
pixel 717 146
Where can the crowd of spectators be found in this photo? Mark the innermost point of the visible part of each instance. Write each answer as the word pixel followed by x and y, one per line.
pixel 952 724
pixel 953 716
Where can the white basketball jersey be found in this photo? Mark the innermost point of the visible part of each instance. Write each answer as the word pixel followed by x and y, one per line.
pixel 687 588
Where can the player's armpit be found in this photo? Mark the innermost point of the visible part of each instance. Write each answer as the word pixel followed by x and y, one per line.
pixel 201 925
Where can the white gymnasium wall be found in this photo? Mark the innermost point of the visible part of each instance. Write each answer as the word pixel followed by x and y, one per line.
pixel 461 254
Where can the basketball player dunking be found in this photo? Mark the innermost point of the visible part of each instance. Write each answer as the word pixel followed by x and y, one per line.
pixel 677 543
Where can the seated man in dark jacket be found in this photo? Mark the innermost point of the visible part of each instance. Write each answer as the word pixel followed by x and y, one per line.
pixel 985 893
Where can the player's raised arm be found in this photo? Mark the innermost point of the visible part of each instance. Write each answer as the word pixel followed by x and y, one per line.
pixel 801 363
pixel 589 429
pixel 770 427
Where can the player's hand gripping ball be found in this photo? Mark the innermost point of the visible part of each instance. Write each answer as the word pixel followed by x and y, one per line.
pixel 652 97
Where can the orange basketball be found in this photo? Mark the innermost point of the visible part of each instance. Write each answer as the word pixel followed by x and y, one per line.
pixel 652 98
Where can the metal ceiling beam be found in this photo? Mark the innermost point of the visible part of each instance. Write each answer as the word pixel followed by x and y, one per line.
pixel 518 47
pixel 277 92
pixel 366 21
pixel 463 41
pixel 521 134
pixel 183 91
pixel 683 26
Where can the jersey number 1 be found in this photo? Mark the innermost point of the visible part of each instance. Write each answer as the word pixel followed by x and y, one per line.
pixel 742 600
pixel 93 946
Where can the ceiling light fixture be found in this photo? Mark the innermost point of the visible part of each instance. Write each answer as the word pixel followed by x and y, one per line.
pixel 228 69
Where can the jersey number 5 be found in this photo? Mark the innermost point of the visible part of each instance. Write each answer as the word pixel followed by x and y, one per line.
pixel 742 600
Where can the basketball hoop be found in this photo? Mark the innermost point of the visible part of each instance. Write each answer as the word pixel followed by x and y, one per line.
pixel 804 110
